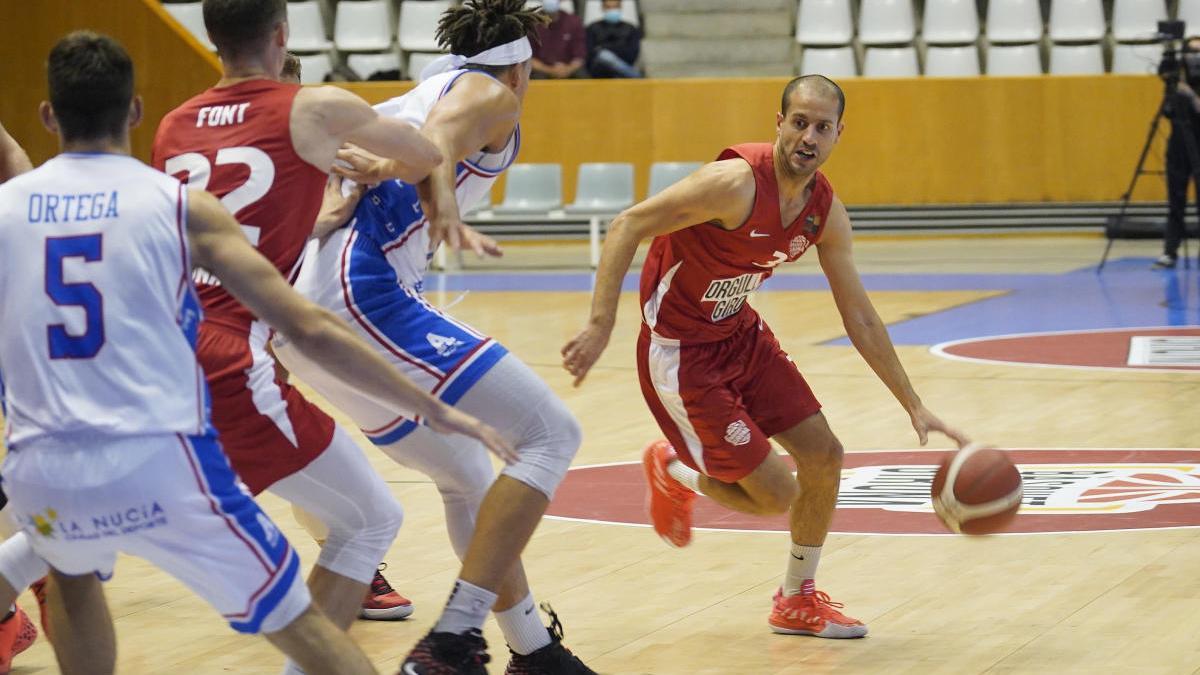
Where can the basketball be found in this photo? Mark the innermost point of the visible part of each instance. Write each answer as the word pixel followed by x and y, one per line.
pixel 977 490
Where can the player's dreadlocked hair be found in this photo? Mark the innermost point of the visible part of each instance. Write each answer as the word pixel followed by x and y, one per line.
pixel 478 25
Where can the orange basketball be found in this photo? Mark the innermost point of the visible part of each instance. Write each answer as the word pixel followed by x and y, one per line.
pixel 977 490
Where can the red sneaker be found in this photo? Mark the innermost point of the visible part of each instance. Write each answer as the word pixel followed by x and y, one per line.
pixel 17 633
pixel 383 603
pixel 812 614
pixel 670 503
pixel 39 592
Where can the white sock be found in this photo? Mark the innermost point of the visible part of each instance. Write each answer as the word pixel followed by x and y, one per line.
pixel 467 607
pixel 522 627
pixel 801 570
pixel 292 669
pixel 684 474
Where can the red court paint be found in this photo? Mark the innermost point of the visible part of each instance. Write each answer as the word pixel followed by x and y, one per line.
pixel 887 492
pixel 1104 348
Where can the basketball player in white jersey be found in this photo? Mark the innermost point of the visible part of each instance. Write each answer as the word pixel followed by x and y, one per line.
pixel 110 444
pixel 371 272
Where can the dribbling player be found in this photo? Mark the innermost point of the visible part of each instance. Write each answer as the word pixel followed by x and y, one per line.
pixel 110 445
pixel 713 374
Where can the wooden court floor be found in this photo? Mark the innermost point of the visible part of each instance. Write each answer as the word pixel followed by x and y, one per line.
pixel 1105 602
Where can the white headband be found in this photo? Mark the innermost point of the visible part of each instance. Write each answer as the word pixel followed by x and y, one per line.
pixel 510 53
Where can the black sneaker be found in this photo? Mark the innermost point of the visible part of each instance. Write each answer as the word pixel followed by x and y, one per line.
pixel 553 659
pixel 448 654
pixel 1164 262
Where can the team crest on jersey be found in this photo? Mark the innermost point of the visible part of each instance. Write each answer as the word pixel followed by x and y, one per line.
pixel 798 245
pixel 445 346
pixel 737 433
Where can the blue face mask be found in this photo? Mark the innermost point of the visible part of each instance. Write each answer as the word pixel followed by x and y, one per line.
pixel 612 15
pixel 550 6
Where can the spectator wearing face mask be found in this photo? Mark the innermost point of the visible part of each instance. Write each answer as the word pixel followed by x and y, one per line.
pixel 613 44
pixel 559 49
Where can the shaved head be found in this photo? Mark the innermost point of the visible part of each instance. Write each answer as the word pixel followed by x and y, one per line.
pixel 818 84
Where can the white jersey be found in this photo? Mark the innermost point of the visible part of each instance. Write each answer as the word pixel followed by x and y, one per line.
pixel 98 315
pixel 476 174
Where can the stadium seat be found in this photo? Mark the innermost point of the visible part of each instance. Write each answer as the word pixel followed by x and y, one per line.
pixel 665 174
pixel 363 26
pixel 603 187
pixel 190 16
pixel 364 65
pixel 417 62
pixel 891 62
pixel 1136 59
pixel 314 68
pixel 949 22
pixel 957 61
pixel 1014 21
pixel 1076 21
pixel 886 22
pixel 824 22
pixel 832 62
pixel 565 5
pixel 306 29
pixel 531 188
pixel 592 12
pixel 1076 59
pixel 1138 19
pixel 418 23
pixel 1014 60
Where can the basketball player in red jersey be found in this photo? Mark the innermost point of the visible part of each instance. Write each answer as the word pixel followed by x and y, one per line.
pixel 265 147
pixel 712 372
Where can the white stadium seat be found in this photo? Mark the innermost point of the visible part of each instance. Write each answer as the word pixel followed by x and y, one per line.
pixel 949 22
pixel 824 22
pixel 957 61
pixel 363 26
pixel 1014 60
pixel 891 62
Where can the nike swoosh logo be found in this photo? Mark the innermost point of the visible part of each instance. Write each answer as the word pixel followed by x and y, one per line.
pixel 755 233
pixel 798 557
pixel 411 669
pixel 528 611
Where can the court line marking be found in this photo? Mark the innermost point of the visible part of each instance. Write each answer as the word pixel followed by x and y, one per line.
pixel 940 350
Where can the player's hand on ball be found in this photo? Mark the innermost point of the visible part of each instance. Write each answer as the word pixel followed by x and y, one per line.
pixel 924 421
pixel 581 353
pixel 451 421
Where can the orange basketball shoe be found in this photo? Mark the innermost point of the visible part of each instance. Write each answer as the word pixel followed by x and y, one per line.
pixel 383 603
pixel 670 503
pixel 17 634
pixel 812 614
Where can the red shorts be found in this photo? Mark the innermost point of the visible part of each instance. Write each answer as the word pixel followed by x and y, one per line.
pixel 719 403
pixel 268 429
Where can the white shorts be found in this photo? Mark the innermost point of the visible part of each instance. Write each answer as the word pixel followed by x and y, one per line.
pixel 172 500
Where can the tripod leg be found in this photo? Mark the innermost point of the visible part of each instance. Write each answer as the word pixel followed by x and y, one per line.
pixel 1137 171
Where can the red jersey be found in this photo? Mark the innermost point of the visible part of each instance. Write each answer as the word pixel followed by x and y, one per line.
pixel 236 142
pixel 695 281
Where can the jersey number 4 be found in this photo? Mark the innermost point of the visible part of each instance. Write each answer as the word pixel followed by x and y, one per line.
pixel 64 345
pixel 256 186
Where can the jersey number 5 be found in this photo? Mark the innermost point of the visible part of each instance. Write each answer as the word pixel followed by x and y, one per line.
pixel 199 171
pixel 63 345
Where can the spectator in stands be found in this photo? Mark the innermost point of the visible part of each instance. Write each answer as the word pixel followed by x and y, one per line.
pixel 1180 170
pixel 613 44
pixel 559 48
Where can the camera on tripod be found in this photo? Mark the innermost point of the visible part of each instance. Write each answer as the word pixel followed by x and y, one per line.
pixel 1178 61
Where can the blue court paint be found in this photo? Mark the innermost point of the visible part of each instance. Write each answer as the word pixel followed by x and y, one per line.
pixel 1127 294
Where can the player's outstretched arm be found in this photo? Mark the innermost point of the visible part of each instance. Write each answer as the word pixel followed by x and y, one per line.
pixel 864 327
pixel 720 193
pixel 478 112
pixel 345 118
pixel 218 245
pixel 13 160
